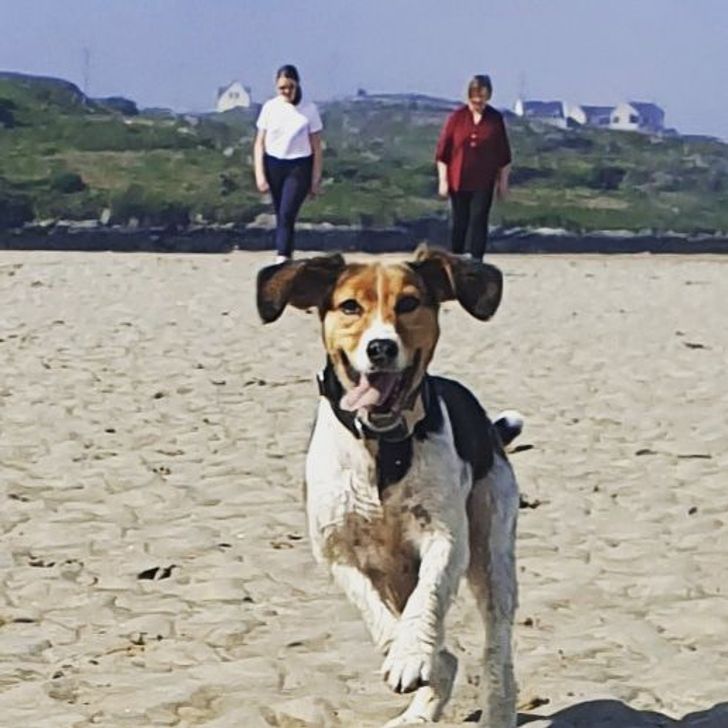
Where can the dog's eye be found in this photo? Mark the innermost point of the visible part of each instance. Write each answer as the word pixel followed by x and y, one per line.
pixel 407 304
pixel 350 307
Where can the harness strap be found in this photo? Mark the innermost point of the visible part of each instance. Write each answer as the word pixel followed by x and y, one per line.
pixel 414 412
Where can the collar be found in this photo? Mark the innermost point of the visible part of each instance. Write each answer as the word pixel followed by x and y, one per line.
pixel 414 412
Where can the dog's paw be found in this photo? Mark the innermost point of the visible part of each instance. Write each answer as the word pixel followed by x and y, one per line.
pixel 407 667
pixel 403 720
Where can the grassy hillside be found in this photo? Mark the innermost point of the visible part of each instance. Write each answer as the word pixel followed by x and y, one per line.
pixel 65 156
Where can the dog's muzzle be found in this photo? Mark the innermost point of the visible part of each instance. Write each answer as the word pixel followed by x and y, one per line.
pixel 380 396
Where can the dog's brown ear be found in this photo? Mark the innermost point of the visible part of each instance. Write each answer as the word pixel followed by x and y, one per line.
pixel 300 283
pixel 477 286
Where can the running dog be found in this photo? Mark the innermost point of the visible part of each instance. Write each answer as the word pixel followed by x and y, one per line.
pixel 408 487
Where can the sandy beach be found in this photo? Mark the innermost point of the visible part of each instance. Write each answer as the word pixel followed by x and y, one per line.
pixel 155 569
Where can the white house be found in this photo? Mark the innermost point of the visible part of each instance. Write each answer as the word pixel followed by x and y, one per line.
pixel 549 112
pixel 599 116
pixel 637 116
pixel 233 96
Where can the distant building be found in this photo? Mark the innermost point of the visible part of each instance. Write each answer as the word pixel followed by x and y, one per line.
pixel 627 116
pixel 233 96
pixel 599 116
pixel 637 116
pixel 549 112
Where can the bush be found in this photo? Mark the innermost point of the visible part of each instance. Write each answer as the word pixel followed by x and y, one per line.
pixel 7 118
pixel 15 208
pixel 666 181
pixel 522 175
pixel 146 207
pixel 227 184
pixel 67 183
pixel 717 181
pixel 113 134
pixel 606 178
pixel 86 205
pixel 118 104
pixel 636 177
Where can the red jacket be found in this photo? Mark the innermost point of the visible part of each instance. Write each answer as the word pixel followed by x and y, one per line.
pixel 473 152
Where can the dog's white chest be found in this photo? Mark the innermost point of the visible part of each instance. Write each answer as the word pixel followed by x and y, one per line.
pixel 343 492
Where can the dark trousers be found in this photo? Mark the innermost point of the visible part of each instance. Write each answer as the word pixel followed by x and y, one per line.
pixel 289 181
pixel 470 212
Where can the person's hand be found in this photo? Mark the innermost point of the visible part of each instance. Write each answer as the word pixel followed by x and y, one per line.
pixel 262 185
pixel 502 190
pixel 315 190
pixel 443 188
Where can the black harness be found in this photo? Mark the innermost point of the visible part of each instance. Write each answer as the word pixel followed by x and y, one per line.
pixel 476 440
pixel 394 446
pixel 330 387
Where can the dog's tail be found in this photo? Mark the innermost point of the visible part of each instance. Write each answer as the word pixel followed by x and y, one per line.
pixel 509 425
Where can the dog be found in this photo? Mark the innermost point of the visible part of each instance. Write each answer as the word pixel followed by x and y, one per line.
pixel 407 484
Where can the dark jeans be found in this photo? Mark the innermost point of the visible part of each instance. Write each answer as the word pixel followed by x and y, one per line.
pixel 470 212
pixel 290 182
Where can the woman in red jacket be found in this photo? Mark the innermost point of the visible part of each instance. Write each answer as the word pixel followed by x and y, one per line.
pixel 473 160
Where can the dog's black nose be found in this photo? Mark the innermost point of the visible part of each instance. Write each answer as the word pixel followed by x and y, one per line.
pixel 382 351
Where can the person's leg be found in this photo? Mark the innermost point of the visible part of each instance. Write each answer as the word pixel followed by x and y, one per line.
pixel 274 175
pixel 477 235
pixel 460 207
pixel 296 186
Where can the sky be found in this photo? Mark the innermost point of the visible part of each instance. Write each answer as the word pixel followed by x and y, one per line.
pixel 176 53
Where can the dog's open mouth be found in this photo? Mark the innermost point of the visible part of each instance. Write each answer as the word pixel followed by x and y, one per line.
pixel 377 392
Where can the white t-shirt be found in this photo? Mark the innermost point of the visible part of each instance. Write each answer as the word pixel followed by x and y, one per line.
pixel 287 127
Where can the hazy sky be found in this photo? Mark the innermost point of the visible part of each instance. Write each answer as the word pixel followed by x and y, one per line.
pixel 175 53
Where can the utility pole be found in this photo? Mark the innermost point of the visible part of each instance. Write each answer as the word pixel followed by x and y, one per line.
pixel 86 70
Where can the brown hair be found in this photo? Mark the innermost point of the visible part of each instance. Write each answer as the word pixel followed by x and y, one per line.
pixel 290 73
pixel 479 82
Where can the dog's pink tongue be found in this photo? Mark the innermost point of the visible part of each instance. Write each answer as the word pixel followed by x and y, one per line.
pixel 365 394
pixel 368 393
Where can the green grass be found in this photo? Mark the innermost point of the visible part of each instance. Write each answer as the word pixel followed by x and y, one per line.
pixel 64 157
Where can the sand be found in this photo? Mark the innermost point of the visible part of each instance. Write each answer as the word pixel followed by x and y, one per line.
pixel 155 566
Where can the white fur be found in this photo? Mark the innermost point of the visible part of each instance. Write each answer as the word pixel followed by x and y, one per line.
pixel 453 525
pixel 377 330
pixel 512 418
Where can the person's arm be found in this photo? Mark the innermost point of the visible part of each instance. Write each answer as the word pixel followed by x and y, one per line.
pixel 317 163
pixel 501 182
pixel 443 187
pixel 258 150
pixel 442 156
pixel 502 189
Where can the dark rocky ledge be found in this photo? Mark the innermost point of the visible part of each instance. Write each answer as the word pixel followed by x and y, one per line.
pixel 92 236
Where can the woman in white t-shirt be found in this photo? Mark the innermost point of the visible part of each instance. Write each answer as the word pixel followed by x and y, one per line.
pixel 287 154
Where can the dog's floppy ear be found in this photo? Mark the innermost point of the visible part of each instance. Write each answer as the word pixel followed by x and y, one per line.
pixel 302 283
pixel 477 286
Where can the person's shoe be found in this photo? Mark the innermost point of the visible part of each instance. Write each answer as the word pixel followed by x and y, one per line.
pixel 282 259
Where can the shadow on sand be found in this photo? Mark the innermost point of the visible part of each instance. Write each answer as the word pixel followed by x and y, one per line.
pixel 615 714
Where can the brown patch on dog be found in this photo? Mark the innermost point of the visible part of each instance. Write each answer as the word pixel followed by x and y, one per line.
pixel 301 283
pixel 378 549
pixel 478 287
pixel 379 290
pixel 421 514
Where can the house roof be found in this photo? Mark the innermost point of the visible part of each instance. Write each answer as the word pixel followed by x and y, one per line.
pixel 648 111
pixel 543 109
pixel 593 113
pixel 222 89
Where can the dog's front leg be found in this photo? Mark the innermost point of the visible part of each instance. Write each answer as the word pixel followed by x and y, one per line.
pixel 419 636
pixel 379 619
